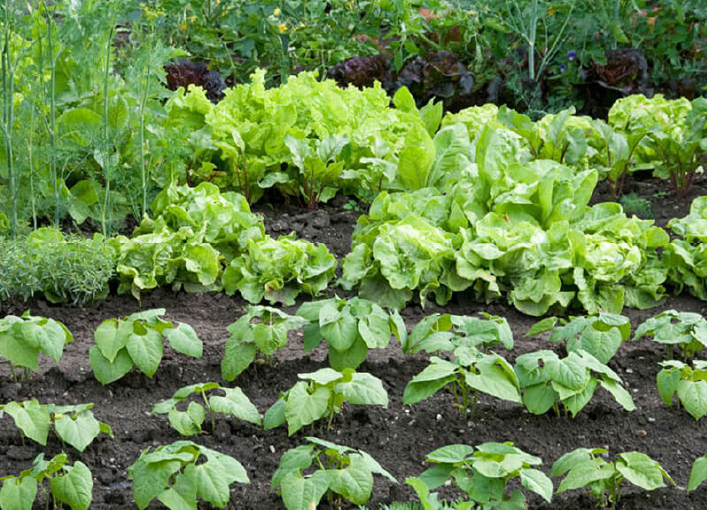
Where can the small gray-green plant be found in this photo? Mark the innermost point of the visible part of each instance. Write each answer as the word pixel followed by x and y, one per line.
pixel 482 474
pixel 585 467
pixel 469 371
pixel 636 206
pixel 180 473
pixel 685 329
pixel 70 485
pixel 74 424
pixel 690 385
pixel 600 335
pixel 23 338
pixel 189 422
pixel 136 340
pixel 322 394
pixel 350 328
pixel 262 330
pixel 569 383
pixel 341 473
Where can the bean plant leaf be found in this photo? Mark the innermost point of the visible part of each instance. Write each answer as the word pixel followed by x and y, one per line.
pixel 31 418
pixel 184 339
pixel 74 487
pixel 181 495
pixel 107 372
pixel 18 493
pixel 237 404
pixel 300 493
pixel 641 470
pixel 538 482
pixel 189 422
pixel 698 473
pixel 145 349
pixel 354 483
pixel 363 389
pixel 108 340
pixel 237 358
pixel 78 430
pixel 693 396
pixel 304 408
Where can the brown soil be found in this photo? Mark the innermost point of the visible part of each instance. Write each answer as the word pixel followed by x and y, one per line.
pixel 399 437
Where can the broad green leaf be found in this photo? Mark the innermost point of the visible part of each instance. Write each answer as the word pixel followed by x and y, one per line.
pixel 619 393
pixel 184 339
pixel 363 389
pixel 236 403
pixel 538 482
pixel 350 358
pixel 31 418
pixel 304 408
pixel 77 430
pixel 693 396
pixel 188 423
pixel 576 402
pixel 585 472
pixel 107 372
pixel 568 460
pixel 296 459
pixel 108 340
pixel 17 351
pixel 276 415
pixel 641 470
pixel 74 487
pixel 451 454
pixel 496 378
pixel 211 483
pixel 322 376
pixel 569 372
pixel 150 480
pixel 237 358
pixel 300 493
pixel 698 473
pixel 354 483
pixel 339 328
pixel 18 493
pixel 146 351
pixel 181 495
pixel 539 398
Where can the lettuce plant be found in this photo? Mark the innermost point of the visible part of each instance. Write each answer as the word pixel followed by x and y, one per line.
pixel 550 382
pixel 189 422
pixel 70 485
pixel 689 383
pixel 469 371
pixel 585 467
pixel 136 340
pixel 349 327
pixel 342 474
pixel 600 335
pixel 482 474
pixel 182 472
pixel 262 331
pixel 322 394
pixel 73 424
pixel 685 329
pixel 23 338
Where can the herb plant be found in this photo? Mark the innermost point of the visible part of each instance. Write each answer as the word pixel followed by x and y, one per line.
pixel 70 485
pixel 136 340
pixel 587 467
pixel 685 329
pixel 549 382
pixel 261 331
pixel 23 338
pixel 180 473
pixel 349 327
pixel 341 473
pixel 73 424
pixel 689 383
pixel 482 474
pixel 600 335
pixel 322 394
pixel 470 370
pixel 188 423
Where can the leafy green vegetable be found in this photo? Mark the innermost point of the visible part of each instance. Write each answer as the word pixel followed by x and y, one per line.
pixel 482 474
pixel 136 340
pixel 71 485
pixel 74 424
pixel 689 383
pixel 686 329
pixel 587 467
pixel 549 381
pixel 180 473
pixel 188 423
pixel 322 394
pixel 23 338
pixel 343 471
pixel 262 330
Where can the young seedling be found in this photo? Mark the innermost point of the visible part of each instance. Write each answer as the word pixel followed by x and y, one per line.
pixel 482 474
pixel 469 371
pixel 600 335
pixel 322 394
pixel 69 485
pixel 585 467
pixel 350 328
pixel 261 331
pixel 685 329
pixel 136 340
pixel 341 473
pixel 180 473
pixel 549 382
pixel 23 338
pixel 698 473
pixel 74 425
pixel 689 383
pixel 189 422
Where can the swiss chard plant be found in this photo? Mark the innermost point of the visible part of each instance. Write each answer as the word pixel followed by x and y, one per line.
pixel 260 332
pixel 698 473
pixel 23 338
pixel 189 422
pixel 136 340
pixel 687 330
pixel 551 382
pixel 70 485
pixel 600 335
pixel 75 425
pixel 278 270
pixel 690 385
pixel 349 327
pixel 322 394
pixel 469 373
pixel 585 467
pixel 311 471
pixel 179 474
pixel 482 474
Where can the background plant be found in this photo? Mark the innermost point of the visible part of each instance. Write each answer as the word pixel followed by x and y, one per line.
pixel 685 329
pixel 689 383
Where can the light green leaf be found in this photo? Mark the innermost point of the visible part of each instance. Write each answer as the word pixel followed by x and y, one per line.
pixel 300 493
pixel 698 473
pixel 641 470
pixel 107 372
pixel 31 418
pixel 538 482
pixel 18 493
pixel 77 430
pixel 354 483
pixel 108 340
pixel 74 487
pixel 184 339
pixel 304 408
pixel 146 350
pixel 236 403
pixel 363 389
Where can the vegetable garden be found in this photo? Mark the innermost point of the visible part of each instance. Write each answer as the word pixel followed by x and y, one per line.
pixel 428 281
